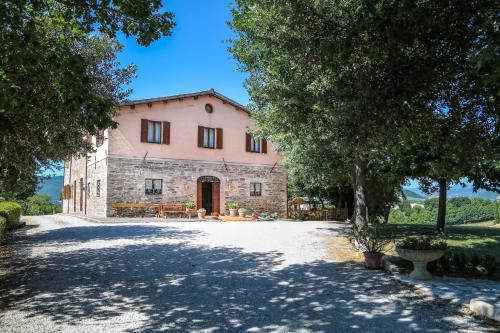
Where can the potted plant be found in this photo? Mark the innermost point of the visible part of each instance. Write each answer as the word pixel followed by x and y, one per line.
pixel 201 213
pixel 233 208
pixel 420 251
pixel 190 208
pixel 242 212
pixel 255 214
pixel 372 241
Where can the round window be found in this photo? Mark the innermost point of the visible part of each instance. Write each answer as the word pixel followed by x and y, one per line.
pixel 209 108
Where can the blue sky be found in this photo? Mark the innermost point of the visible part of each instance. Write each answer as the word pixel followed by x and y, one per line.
pixel 194 58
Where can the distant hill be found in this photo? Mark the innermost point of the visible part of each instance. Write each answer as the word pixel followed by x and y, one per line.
pixel 454 191
pixel 413 196
pixel 51 187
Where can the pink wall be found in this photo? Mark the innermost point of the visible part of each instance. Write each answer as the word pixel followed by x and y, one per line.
pixel 185 116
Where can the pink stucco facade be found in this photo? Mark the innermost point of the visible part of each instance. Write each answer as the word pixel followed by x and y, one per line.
pixel 185 116
pixel 122 165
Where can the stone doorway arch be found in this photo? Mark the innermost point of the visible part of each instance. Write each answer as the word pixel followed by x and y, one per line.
pixel 208 194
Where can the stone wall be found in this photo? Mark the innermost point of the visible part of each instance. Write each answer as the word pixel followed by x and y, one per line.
pixel 126 182
pixel 75 171
pixel 97 171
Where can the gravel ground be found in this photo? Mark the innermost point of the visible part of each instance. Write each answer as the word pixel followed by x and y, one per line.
pixel 66 274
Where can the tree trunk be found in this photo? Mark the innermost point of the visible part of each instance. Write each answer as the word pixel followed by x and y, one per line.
pixel 443 187
pixel 360 208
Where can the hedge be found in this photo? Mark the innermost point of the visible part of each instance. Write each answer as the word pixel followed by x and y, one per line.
pixel 11 211
pixel 457 212
pixel 3 226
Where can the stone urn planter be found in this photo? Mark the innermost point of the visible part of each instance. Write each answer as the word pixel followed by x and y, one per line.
pixel 420 258
pixel 242 212
pixel 373 260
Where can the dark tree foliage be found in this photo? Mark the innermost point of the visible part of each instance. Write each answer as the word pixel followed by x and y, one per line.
pixel 371 78
pixel 59 77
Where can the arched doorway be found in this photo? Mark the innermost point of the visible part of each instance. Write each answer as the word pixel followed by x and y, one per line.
pixel 208 194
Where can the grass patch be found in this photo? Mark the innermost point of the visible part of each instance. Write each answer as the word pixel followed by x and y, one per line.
pixel 482 237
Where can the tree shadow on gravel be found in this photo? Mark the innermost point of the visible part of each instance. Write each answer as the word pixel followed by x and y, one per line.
pixel 183 287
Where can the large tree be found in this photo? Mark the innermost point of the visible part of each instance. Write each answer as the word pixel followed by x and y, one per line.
pixel 363 71
pixel 59 77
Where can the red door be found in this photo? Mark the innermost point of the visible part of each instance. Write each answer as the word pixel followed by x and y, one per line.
pixel 216 198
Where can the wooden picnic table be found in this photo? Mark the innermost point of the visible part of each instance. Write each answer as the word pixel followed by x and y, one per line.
pixel 163 210
pixel 140 208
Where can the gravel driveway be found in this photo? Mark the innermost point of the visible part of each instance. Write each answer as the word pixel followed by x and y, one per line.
pixel 70 275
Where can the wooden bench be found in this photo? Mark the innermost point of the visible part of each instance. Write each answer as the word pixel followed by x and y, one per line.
pixel 136 207
pixel 164 210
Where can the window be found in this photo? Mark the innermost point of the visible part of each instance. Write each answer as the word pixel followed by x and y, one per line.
pixel 255 189
pixel 98 188
pixel 99 138
pixel 255 145
pixel 209 137
pixel 154 132
pixel 88 190
pixel 154 186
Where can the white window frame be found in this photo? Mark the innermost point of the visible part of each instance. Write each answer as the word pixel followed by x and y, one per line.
pixel 255 145
pixel 253 189
pixel 209 137
pixel 154 131
pixel 98 188
pixel 156 186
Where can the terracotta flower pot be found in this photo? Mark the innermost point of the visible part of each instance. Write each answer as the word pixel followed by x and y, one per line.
pixel 201 215
pixel 242 212
pixel 255 215
pixel 373 260
pixel 233 212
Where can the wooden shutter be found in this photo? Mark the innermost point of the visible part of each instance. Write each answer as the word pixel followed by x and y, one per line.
pixel 166 132
pixel 248 142
pixel 264 146
pixel 144 130
pixel 201 131
pixel 219 138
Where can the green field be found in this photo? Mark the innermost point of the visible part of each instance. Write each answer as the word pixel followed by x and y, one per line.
pixel 483 237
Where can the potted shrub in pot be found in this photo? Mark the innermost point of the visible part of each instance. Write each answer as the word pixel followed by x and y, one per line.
pixel 372 241
pixel 420 251
pixel 190 208
pixel 242 212
pixel 233 208
pixel 255 215
pixel 201 213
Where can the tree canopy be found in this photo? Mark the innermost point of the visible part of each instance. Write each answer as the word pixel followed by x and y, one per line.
pixel 365 75
pixel 59 76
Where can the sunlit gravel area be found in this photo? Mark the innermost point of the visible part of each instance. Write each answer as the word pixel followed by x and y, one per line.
pixel 65 274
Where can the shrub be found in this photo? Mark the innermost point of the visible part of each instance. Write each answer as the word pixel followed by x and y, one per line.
pixel 431 203
pixel 461 264
pixel 459 201
pixel 39 204
pixel 422 243
pixel 370 239
pixel 11 211
pixel 460 212
pixel 405 207
pixel 190 205
pixel 233 205
pixel 3 226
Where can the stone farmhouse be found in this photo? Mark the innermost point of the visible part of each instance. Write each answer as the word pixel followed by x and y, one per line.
pixel 175 149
